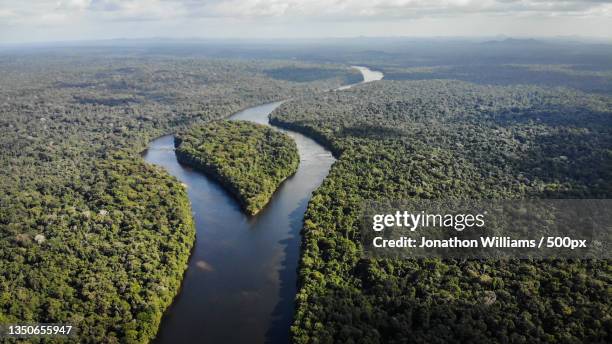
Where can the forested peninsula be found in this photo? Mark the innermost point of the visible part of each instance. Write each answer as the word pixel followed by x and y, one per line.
pixel 440 139
pixel 250 160
pixel 91 235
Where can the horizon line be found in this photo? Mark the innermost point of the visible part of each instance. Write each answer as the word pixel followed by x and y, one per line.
pixel 574 38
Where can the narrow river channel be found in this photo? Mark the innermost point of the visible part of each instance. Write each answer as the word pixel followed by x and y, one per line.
pixel 241 280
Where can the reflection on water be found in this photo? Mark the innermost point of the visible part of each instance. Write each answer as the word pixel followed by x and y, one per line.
pixel 368 76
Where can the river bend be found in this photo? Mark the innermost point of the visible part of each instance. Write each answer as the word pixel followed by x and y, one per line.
pixel 241 280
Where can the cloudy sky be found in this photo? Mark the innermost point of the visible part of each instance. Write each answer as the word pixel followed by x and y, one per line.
pixel 62 20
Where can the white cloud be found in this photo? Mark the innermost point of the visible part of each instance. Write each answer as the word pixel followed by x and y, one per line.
pixel 73 4
pixel 307 8
pixel 398 8
pixel 154 16
pixel 6 14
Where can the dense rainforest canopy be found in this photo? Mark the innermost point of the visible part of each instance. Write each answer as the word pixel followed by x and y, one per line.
pixel 90 234
pixel 250 160
pixel 436 139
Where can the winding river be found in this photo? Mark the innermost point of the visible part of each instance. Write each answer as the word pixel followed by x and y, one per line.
pixel 241 280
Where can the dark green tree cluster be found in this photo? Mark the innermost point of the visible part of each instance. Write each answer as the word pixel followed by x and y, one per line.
pixel 102 249
pixel 442 139
pixel 90 234
pixel 250 160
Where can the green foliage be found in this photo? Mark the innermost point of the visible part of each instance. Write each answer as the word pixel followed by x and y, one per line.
pixel 449 139
pixel 98 252
pixel 89 233
pixel 250 160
